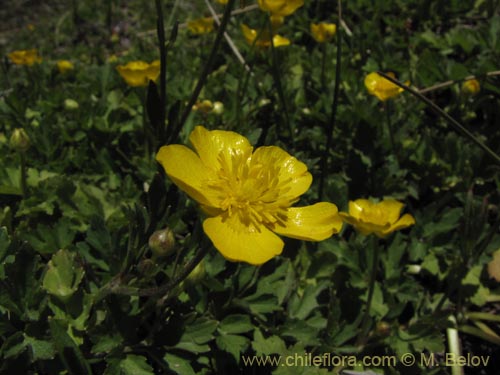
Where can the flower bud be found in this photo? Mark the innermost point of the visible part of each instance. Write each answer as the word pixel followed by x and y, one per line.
pixel 70 104
pixel 218 108
pixel 19 140
pixel 162 242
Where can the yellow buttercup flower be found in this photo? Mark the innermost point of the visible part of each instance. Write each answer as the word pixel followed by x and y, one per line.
pixel 382 88
pixel 247 194
pixel 471 87
pixel 25 57
pixel 379 218
pixel 263 39
pixel 64 66
pixel 323 32
pixel 204 106
pixel 201 25
pixel 139 73
pixel 223 2
pixel 280 7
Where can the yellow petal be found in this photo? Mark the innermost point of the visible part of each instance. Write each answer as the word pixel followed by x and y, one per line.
pixel 240 243
pixel 210 144
pixel 311 223
pixel 186 170
pixel 405 221
pixel 280 41
pixel 391 209
pixel 357 207
pixel 293 177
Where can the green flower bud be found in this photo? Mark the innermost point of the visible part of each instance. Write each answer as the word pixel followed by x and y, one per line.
pixel 162 242
pixel 218 108
pixel 19 140
pixel 70 104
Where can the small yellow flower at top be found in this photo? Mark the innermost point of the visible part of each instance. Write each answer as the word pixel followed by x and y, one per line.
pixel 201 25
pixel 382 88
pixel 30 27
pixel 139 73
pixel 323 32
pixel 280 7
pixel 247 194
pixel 25 57
pixel 223 2
pixel 471 87
pixel 262 39
pixel 65 66
pixel 380 218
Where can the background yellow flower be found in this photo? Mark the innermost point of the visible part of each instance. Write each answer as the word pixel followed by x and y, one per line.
pixel 380 218
pixel 25 57
pixel 64 66
pixel 280 7
pixel 262 39
pixel 139 73
pixel 247 194
pixel 201 25
pixel 471 87
pixel 323 32
pixel 382 88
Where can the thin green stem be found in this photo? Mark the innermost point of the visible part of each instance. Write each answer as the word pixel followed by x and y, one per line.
pixel 454 345
pixel 459 127
pixel 388 112
pixel 323 66
pixel 114 286
pixel 333 114
pixel 277 80
pixel 163 61
pixel 205 72
pixel 365 323
pixel 22 157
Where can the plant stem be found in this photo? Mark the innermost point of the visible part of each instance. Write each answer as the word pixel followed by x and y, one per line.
pixel 388 112
pixel 204 73
pixel 163 62
pixel 447 117
pixel 333 114
pixel 454 345
pixel 365 323
pixel 22 157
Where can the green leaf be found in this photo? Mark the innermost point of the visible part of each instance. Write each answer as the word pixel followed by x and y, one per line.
pixel 47 239
pixel 265 346
pixel 236 323
pixel 302 305
pixel 232 344
pixel 67 349
pixel 135 365
pixel 41 349
pixel 62 277
pixel 179 365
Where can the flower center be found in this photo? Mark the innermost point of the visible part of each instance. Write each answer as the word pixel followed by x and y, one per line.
pixel 251 189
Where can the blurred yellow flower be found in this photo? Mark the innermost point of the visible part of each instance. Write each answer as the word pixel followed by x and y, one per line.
pixel 471 87
pixel 223 2
pixel 263 40
pixel 382 88
pixel 379 218
pixel 25 57
pixel 280 7
pixel 247 194
pixel 64 66
pixel 323 32
pixel 139 73
pixel 204 106
pixel 201 25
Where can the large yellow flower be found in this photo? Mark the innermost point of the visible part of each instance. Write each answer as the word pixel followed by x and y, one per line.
pixel 280 7
pixel 25 57
pixel 200 26
pixel 379 218
pixel 381 87
pixel 247 194
pixel 323 32
pixel 139 73
pixel 263 39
